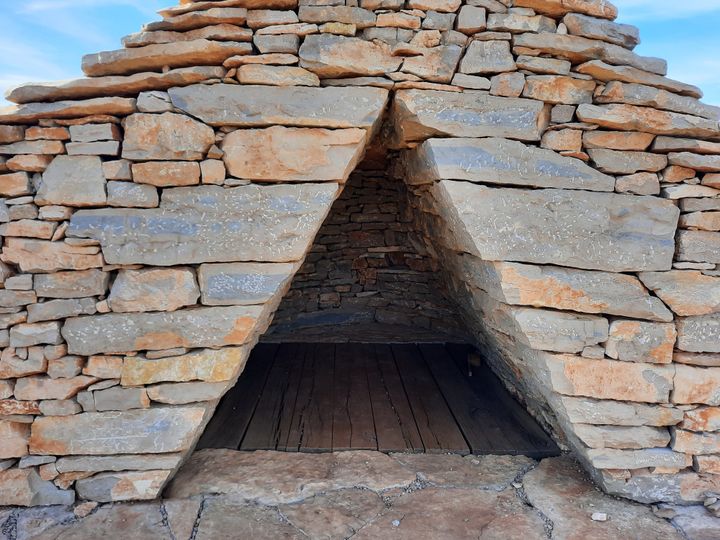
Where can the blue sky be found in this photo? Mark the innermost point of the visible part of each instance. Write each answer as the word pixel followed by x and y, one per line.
pixel 43 40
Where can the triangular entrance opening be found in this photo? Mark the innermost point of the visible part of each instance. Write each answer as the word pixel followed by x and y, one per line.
pixel 367 350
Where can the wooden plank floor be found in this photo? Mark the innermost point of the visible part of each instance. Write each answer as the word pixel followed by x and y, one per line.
pixel 321 397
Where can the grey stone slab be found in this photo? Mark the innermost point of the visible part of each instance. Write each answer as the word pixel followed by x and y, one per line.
pixel 421 114
pixel 501 161
pixel 211 224
pixel 595 231
pixel 141 431
pixel 253 106
pixel 125 332
pixel 242 283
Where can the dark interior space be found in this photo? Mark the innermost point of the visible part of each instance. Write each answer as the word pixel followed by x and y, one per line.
pixel 367 351
pixel 321 397
pixel 368 276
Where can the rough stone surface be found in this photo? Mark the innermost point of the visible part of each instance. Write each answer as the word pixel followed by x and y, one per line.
pixel 118 85
pixel 166 136
pixel 610 379
pixel 556 481
pixel 124 332
pixel 632 118
pixel 331 56
pixel 564 288
pixel 500 161
pixel 483 219
pixel 696 385
pixel 291 154
pixel 687 292
pixel 211 224
pixel 166 174
pixel 151 431
pixel 259 106
pixel 699 333
pixel 72 284
pixel 23 487
pixel 591 411
pixel 122 486
pixel 208 365
pixel 154 57
pixel 280 477
pixel 153 289
pixel 640 341
pixel 242 283
pixel 420 114
pixel 73 181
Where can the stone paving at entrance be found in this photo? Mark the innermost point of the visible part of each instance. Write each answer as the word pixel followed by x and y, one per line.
pixel 267 495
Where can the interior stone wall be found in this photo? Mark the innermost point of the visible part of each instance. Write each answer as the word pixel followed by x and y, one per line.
pixel 368 276
pixel 155 212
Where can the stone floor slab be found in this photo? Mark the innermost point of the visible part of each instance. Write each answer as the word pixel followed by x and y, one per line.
pixel 222 518
pixel 284 477
pixel 483 472
pixel 456 514
pixel 339 514
pixel 561 491
pixel 368 495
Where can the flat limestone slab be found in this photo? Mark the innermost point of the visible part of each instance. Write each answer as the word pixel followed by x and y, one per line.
pixel 257 106
pixel 199 52
pixel 501 161
pixel 280 154
pixel 421 114
pixel 190 328
pixel 594 231
pixel 147 431
pixel 25 114
pixel 112 85
pixel 211 224
pixel 564 288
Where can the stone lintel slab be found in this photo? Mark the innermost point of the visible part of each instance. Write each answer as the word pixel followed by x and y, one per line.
pixel 93 87
pixel 243 283
pixel 147 431
pixel 570 289
pixel 31 112
pixel 261 106
pixel 500 161
pixel 209 365
pixel 609 379
pixel 273 223
pixel 420 114
pixel 125 332
pixel 278 154
pixel 594 231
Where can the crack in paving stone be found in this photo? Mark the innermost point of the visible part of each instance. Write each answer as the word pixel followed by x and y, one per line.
pixel 518 486
pixel 166 520
pixel 196 525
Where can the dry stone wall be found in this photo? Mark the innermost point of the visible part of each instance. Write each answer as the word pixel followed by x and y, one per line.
pixel 367 276
pixel 155 212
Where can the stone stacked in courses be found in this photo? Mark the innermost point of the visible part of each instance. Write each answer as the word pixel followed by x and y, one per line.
pixel 155 212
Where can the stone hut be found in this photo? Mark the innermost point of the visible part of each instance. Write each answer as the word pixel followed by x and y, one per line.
pixel 558 189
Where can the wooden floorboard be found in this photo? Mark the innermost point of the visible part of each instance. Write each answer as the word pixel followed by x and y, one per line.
pixel 480 422
pixel 317 424
pixel 524 435
pixel 263 431
pixel 398 400
pixel 237 407
pixel 361 414
pixel 294 389
pixel 437 426
pixel 319 397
